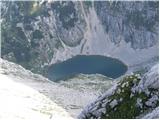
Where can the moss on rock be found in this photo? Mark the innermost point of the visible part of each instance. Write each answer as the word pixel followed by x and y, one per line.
pixel 129 107
pixel 127 101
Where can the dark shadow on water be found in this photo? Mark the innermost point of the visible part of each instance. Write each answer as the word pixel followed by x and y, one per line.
pixel 87 64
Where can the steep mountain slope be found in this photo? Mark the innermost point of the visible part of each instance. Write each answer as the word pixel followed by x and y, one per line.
pixel 22 102
pixel 37 34
pixel 132 97
pixel 72 95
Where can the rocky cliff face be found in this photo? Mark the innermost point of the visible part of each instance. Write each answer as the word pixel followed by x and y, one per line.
pixel 132 97
pixel 37 34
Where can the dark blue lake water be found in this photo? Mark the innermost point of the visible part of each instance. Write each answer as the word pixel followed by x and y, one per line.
pixel 90 64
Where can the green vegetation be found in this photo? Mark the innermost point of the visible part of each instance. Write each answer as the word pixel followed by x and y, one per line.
pixel 15 44
pixel 88 3
pixel 29 8
pixel 14 40
pixel 37 34
pixel 28 27
pixel 67 13
pixel 126 108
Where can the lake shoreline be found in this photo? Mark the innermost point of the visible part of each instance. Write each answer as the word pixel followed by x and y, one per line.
pixel 87 64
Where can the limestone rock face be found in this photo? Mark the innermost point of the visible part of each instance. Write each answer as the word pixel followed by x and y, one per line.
pixel 37 34
pixel 151 79
pixel 153 115
pixel 131 97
